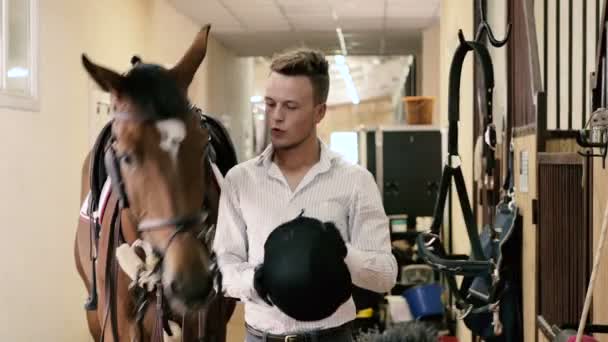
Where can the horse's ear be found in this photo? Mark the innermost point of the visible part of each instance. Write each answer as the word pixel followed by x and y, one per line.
pixel 107 79
pixel 184 70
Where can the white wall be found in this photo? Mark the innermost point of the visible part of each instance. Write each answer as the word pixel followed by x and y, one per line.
pixel 431 56
pixel 227 92
pixel 41 152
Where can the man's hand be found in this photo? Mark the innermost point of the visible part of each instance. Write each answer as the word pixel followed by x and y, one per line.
pixel 335 239
pixel 258 284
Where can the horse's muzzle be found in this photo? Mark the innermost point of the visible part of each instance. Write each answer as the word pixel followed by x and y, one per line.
pixel 191 295
pixel 187 277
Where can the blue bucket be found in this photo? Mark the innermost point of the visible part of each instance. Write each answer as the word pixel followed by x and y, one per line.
pixel 424 300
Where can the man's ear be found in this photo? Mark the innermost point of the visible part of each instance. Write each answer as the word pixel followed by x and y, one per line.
pixel 320 110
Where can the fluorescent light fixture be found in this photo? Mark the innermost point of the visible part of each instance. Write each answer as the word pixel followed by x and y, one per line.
pixel 17 72
pixel 256 98
pixel 348 80
pixel 341 40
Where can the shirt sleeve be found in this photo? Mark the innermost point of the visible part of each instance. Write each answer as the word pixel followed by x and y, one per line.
pixel 369 257
pixel 231 247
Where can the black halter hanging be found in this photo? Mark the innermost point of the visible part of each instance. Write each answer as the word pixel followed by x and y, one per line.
pixel 429 245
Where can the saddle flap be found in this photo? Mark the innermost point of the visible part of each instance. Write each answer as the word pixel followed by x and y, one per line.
pixel 102 203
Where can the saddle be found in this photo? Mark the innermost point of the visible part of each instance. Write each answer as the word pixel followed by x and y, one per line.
pixel 98 177
pixel 490 293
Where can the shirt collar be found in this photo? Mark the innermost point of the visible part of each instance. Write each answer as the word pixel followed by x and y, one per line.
pixel 325 160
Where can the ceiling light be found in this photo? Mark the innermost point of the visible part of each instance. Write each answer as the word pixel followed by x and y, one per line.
pixel 341 40
pixel 348 80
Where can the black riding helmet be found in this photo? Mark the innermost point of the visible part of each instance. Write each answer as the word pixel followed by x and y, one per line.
pixel 304 273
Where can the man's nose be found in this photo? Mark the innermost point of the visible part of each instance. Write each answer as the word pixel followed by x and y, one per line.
pixel 276 114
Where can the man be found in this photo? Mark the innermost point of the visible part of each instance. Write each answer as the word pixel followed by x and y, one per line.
pixel 298 172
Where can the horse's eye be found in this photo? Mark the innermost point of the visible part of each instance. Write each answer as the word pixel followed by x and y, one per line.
pixel 127 159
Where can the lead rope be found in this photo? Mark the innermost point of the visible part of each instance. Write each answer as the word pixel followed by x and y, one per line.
pixel 201 324
pixel 158 327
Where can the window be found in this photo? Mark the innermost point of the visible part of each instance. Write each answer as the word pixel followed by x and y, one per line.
pixel 19 54
pixel 346 144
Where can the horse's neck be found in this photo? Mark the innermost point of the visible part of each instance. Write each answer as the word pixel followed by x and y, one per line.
pixel 212 194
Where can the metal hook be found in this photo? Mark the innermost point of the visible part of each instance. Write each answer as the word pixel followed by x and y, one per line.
pixel 463 40
pixel 485 27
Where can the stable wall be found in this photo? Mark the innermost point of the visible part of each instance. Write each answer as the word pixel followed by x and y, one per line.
pixel 524 203
pixel 41 152
pixel 600 201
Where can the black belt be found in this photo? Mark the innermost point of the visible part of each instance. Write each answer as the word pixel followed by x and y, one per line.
pixel 312 336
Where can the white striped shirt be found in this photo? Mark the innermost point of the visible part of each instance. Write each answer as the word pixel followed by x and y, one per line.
pixel 256 198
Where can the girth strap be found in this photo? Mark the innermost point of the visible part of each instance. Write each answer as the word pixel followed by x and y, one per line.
pixel 111 279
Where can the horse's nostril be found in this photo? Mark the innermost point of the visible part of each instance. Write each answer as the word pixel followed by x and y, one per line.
pixel 175 287
pixel 190 292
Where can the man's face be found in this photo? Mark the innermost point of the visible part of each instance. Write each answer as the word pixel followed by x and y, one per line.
pixel 291 112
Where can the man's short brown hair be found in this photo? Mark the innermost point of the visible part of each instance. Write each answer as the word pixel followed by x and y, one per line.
pixel 305 62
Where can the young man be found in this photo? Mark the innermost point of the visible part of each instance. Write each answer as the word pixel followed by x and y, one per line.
pixel 298 172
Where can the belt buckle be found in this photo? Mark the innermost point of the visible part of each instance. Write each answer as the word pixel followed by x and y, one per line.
pixel 290 338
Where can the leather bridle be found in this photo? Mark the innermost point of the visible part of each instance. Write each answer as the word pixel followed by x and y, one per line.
pixel 182 224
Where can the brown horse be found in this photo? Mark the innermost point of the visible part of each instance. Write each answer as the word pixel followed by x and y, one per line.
pixel 150 189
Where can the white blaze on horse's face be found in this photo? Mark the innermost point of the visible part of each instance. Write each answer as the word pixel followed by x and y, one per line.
pixel 172 133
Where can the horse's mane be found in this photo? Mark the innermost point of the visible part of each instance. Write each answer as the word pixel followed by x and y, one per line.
pixel 222 144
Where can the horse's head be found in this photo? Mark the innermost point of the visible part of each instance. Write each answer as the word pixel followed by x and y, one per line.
pixel 157 162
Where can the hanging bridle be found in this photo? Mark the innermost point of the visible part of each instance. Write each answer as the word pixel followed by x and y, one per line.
pixel 182 224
